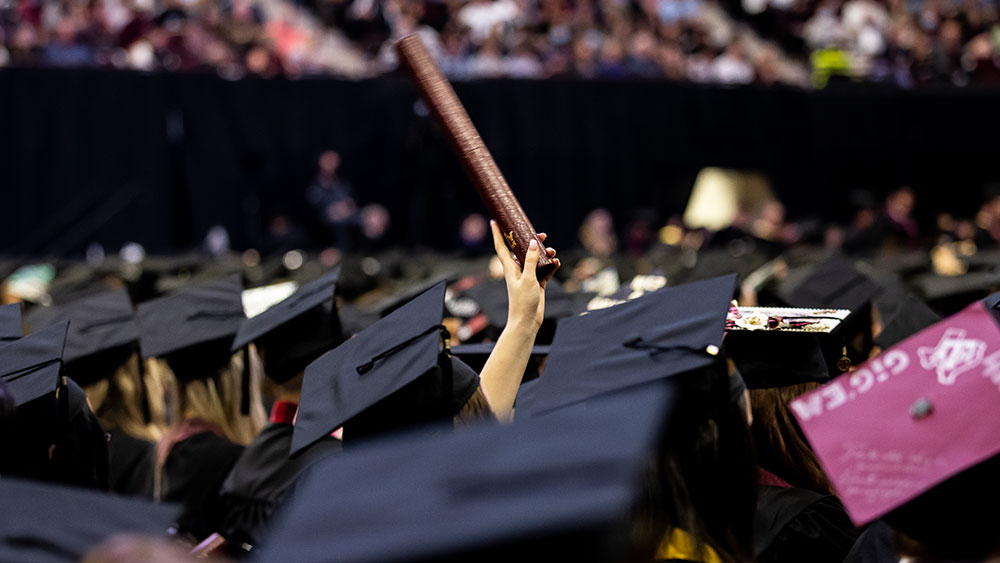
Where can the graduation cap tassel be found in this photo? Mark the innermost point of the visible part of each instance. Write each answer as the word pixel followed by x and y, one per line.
pixel 245 390
pixel 447 374
pixel 147 411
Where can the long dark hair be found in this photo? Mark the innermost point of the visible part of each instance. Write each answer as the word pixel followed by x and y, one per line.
pixel 704 477
pixel 781 447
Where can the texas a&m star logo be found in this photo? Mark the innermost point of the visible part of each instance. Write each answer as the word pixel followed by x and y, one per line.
pixel 954 354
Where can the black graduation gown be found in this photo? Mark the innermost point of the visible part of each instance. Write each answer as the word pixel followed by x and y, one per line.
pixel 261 478
pixel 193 473
pixel 875 545
pixel 131 465
pixel 795 525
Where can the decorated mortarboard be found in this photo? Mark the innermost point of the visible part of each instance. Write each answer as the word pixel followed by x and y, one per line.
pixel 295 331
pixel 902 316
pixel 260 299
pixel 658 335
pixel 11 327
pixel 196 315
pixel 780 346
pixel 374 382
pixel 918 414
pixel 103 333
pixel 31 366
pixel 485 493
pixel 49 523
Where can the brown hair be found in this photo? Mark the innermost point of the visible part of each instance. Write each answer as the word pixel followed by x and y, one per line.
pixel 476 408
pixel 216 400
pixel 781 447
pixel 117 402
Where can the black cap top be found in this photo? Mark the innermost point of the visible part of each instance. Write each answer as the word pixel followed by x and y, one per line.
pixel 484 349
pixel 902 318
pixel 307 297
pixel 491 296
pixel 655 336
pixel 296 330
pixel 30 366
pixel 835 282
pixel 11 327
pixel 377 363
pixel 486 492
pixel 196 315
pixel 54 523
pixel 101 322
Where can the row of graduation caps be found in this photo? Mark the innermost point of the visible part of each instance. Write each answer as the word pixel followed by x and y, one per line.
pixel 571 460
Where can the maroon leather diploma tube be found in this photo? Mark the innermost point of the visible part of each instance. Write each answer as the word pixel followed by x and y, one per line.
pixel 471 151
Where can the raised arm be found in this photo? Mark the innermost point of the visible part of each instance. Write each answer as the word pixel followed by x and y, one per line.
pixel 501 376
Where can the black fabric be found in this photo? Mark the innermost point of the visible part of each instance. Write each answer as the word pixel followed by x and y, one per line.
pixel 386 377
pixel 56 524
pixel 98 323
pixel 207 312
pixel 656 336
pixel 262 477
pixel 770 359
pixel 193 474
pixel 874 545
pixel 176 145
pixel 796 525
pixel 65 427
pixel 516 492
pixel 11 327
pixel 130 470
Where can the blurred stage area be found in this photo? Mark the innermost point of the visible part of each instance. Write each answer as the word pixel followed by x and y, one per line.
pixel 91 160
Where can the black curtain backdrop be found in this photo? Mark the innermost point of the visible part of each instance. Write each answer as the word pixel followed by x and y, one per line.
pixel 105 156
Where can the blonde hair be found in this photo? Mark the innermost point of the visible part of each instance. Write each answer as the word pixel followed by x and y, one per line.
pixel 117 401
pixel 476 408
pixel 216 400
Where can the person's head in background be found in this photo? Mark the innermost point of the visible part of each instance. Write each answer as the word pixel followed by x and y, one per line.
pixel 701 491
pixel 206 384
pixel 329 164
pixel 781 447
pixel 900 203
pixel 597 234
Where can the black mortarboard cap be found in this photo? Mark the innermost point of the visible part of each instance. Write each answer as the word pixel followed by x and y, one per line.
pixel 660 334
pixel 195 316
pixel 769 359
pixel 58 524
pixel 11 327
pixel 491 296
pixel 484 493
pixel 964 288
pixel 31 366
pixel 296 330
pixel 101 322
pixel 411 292
pixel 475 355
pixel 780 346
pixel 372 383
pixel 835 283
pixel 902 318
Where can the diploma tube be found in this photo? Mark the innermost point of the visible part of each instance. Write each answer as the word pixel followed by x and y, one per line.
pixel 440 98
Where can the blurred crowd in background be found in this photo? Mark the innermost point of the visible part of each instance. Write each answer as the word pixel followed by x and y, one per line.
pixel 798 42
